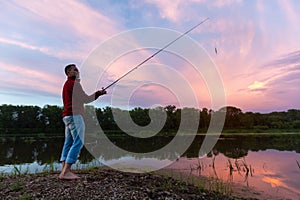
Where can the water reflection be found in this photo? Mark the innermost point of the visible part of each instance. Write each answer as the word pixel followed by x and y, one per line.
pixel 267 162
pixel 18 150
pixel 272 171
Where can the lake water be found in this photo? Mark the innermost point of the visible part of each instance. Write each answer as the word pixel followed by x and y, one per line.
pixel 267 162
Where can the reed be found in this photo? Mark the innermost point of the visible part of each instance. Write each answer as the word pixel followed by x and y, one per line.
pixel 197 167
pixel 218 185
pixel 231 168
pixel 17 171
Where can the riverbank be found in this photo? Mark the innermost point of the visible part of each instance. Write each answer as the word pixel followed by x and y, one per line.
pixel 102 183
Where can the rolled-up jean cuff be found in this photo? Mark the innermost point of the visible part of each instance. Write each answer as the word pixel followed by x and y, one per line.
pixel 70 161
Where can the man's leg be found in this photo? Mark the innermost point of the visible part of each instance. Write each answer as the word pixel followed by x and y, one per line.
pixel 66 148
pixel 77 131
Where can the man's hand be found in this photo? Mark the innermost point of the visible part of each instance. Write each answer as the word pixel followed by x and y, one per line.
pixel 103 91
pixel 99 93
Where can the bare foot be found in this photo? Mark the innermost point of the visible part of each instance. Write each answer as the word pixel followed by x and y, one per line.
pixel 68 176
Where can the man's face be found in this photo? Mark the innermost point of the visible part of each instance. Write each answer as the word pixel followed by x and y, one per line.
pixel 73 72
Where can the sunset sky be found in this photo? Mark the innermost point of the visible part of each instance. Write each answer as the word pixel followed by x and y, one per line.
pixel 257 42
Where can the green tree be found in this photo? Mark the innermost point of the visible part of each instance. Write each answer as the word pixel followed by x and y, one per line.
pixel 171 118
pixel 296 124
pixel 233 117
pixel 292 115
pixel 90 117
pixel 204 119
pixel 52 118
pixel 8 118
pixel 140 116
pixel 106 119
pixel 247 120
pixel 28 118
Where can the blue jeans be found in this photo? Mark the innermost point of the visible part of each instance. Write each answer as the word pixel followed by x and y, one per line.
pixel 74 138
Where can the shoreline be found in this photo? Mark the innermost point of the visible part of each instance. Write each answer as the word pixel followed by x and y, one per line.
pixel 106 183
pixel 103 183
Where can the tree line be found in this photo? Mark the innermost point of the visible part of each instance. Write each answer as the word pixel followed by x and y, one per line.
pixel 34 119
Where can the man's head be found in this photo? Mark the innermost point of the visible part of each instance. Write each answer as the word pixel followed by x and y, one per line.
pixel 71 71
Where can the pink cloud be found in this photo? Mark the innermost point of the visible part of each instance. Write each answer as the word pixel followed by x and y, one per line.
pixel 74 28
pixel 27 79
pixel 168 9
pixel 222 3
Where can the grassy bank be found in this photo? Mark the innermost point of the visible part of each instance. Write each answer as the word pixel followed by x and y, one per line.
pixel 103 183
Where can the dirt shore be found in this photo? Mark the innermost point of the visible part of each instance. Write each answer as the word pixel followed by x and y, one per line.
pixel 102 183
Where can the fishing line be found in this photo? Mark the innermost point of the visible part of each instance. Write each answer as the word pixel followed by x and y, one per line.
pixel 160 50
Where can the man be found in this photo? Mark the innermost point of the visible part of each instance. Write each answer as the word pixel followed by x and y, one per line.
pixel 74 99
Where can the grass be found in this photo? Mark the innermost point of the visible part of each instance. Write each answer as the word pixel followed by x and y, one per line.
pixel 208 183
pixel 198 166
pixel 211 183
pixel 218 185
pixel 53 166
pixel 17 171
pixel 50 167
pixel 25 197
pixel 16 186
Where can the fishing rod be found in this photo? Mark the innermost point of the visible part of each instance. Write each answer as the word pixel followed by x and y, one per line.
pixel 166 46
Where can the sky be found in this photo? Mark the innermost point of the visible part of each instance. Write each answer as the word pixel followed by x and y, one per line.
pixel 257 43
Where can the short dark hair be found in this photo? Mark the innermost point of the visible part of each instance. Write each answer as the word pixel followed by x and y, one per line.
pixel 68 67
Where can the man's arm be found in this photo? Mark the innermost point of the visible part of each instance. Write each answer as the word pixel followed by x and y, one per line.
pixel 81 96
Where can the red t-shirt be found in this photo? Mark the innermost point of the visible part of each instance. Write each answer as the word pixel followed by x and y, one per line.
pixel 74 98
